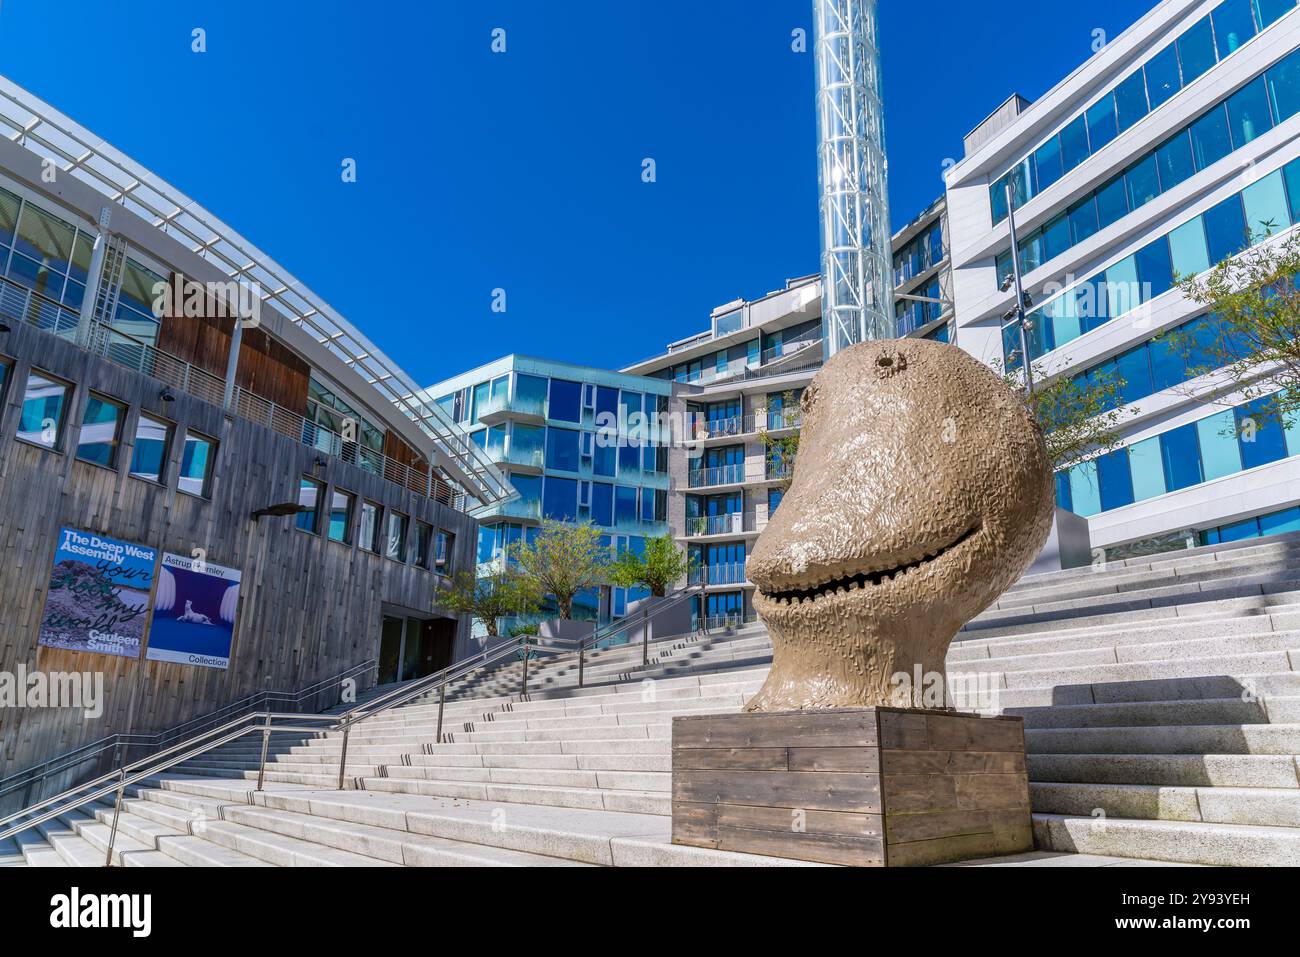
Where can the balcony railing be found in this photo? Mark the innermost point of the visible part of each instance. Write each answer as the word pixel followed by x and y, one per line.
pixel 735 523
pixel 747 424
pixel 719 475
pixel 506 405
pixel 22 305
pixel 727 573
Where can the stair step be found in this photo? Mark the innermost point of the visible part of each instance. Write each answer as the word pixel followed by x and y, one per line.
pixel 1221 845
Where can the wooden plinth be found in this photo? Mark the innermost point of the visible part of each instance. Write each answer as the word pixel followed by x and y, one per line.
pixel 868 787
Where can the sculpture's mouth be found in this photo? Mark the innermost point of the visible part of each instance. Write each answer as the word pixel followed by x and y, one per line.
pixel 866 578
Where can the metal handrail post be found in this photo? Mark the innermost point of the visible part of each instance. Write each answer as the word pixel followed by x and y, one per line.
pixel 645 636
pixel 525 688
pixel 266 743
pixel 442 701
pixel 117 811
pixel 343 757
pixel 582 655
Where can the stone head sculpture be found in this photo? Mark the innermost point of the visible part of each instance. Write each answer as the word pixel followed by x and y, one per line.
pixel 921 490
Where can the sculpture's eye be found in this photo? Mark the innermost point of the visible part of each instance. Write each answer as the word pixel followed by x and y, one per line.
pixel 808 398
pixel 890 364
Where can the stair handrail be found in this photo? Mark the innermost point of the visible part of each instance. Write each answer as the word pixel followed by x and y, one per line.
pixel 644 619
pixel 129 739
pixel 261 721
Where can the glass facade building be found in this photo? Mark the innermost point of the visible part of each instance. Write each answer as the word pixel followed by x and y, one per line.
pixel 578 445
pixel 1165 154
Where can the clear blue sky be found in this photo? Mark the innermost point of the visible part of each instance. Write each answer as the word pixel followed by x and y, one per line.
pixel 523 170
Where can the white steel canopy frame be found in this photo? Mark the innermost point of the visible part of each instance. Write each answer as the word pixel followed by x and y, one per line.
pixel 857 266
pixel 30 122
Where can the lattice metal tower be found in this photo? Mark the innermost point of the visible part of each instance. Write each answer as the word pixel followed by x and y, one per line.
pixel 857 265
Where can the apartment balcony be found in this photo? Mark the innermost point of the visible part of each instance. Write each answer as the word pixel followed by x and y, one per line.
pixel 727 573
pixel 735 523
pixel 498 409
pixel 704 430
pixel 717 476
pixel 520 510
pixel 531 461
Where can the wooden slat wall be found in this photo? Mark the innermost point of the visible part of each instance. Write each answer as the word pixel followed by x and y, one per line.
pixel 310 607
pixel 266 367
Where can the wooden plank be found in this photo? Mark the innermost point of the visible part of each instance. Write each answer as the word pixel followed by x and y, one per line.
pixel 793 729
pixel 835 759
pixel 822 848
pixel 865 824
pixel 788 789
pixel 952 762
pixel 903 730
pixel 730 759
pixel 963 733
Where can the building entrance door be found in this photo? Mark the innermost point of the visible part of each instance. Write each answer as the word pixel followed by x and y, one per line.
pixel 411 648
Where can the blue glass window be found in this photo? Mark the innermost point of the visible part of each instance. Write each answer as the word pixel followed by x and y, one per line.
pixel 1155 271
pixel 1291 174
pixel 566 401
pixel 1143 181
pixel 602 504
pixel 529 487
pixel 1266 206
pixel 629 456
pixel 1182 457
pixel 1248 113
pixel 1083 219
pixel 1220 452
pixel 562 448
pixel 1163 77
pixel 1190 257
pixel 1074 145
pixel 1134 371
pixel 625 504
pixel 1287 520
pixel 1148 470
pixel 1112 202
pixel 1056 236
pixel 1084 493
pixel 1114 479
pixel 1262 442
pixel 1048 162
pixel 1284 86
pixel 1225 229
pixel 1211 141
pixel 1101 122
pixel 560 499
pixel 1234 25
pixel 1167 365
pixel 1062 491
pixel 1270 10
pixel 1196 50
pixel 1174 161
pixel 1131 100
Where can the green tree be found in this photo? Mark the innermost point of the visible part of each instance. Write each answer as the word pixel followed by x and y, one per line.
pixel 1081 416
pixel 1251 335
pixel 563 561
pixel 662 564
pixel 502 593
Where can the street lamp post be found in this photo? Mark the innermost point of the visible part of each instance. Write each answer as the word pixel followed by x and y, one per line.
pixel 1018 310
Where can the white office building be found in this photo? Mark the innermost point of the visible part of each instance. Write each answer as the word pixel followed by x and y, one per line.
pixel 1154 159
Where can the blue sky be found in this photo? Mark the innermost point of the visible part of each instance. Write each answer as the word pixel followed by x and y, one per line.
pixel 522 171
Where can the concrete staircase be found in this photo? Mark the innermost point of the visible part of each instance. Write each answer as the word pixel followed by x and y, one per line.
pixel 1161 700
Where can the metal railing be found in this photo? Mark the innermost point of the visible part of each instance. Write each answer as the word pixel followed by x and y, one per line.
pixel 304 699
pixel 749 424
pixel 717 475
pixel 264 722
pixel 644 618
pixel 723 573
pixel 735 523
pixel 24 305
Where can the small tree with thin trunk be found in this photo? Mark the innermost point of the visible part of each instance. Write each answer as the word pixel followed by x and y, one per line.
pixel 503 592
pixel 781 449
pixel 662 564
pixel 563 561
pixel 1251 335
pixel 1080 415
